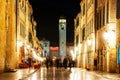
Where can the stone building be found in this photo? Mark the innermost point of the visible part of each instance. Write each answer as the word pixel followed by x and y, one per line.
pixel 95 35
pixel 8 35
pixel 3 36
pixel 105 35
pixel 77 40
pixel 17 31
pixel 46 47
pixel 24 29
pixel 85 34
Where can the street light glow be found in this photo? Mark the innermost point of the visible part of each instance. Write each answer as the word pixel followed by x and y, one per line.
pixel 19 43
pixel 110 37
pixel 36 56
pixel 28 46
pixel 105 35
pixel 89 42
pixel 73 54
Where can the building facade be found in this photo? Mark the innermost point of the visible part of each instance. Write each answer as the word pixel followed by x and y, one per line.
pixel 85 35
pixel 77 41
pixel 106 35
pixel 94 26
pixel 3 36
pixel 8 35
pixel 18 33
pixel 24 29
pixel 46 48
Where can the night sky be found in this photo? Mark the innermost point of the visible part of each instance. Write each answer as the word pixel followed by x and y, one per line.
pixel 47 13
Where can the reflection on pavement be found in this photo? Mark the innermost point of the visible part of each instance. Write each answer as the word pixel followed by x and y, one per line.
pixel 64 74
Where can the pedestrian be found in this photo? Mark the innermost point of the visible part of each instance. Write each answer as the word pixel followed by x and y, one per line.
pixel 29 62
pixel 70 62
pixel 47 62
pixel 57 62
pixel 65 62
pixel 60 62
pixel 73 63
pixel 51 62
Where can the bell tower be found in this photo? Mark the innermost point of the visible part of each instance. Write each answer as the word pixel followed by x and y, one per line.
pixel 62 36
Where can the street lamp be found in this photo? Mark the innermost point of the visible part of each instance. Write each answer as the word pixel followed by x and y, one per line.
pixel 89 42
pixel 110 37
pixel 19 43
pixel 80 45
pixel 73 54
pixel 28 46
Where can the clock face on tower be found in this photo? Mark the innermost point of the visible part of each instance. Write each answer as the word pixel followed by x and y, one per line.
pixel 62 26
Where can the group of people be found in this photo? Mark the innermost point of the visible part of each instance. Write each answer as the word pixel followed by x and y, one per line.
pixel 48 62
pixel 61 62
pixel 29 62
pixel 68 62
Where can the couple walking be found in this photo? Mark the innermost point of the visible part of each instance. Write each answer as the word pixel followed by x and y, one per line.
pixel 67 61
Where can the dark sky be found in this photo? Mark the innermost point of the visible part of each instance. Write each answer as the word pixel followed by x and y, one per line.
pixel 47 14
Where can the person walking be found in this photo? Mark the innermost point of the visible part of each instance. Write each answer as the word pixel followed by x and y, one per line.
pixel 47 62
pixel 29 62
pixel 65 62
pixel 60 62
pixel 57 62
pixel 70 62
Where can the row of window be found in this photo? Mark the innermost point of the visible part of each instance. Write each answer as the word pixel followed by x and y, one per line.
pixel 23 8
pixel 86 31
pixel 22 5
pixel 118 9
pixel 101 17
pixel 89 27
pixel 88 5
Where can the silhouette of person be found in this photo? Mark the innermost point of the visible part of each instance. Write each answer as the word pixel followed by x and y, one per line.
pixel 65 62
pixel 29 62
pixel 57 62
pixel 47 62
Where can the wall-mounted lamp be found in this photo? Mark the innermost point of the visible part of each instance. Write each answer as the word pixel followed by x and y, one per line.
pixel 73 54
pixel 76 48
pixel 110 37
pixel 19 43
pixel 80 45
pixel 28 46
pixel 89 42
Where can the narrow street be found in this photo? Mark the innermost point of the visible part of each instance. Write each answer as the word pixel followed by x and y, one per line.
pixel 67 74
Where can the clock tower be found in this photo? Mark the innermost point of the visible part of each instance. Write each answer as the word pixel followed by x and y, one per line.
pixel 62 36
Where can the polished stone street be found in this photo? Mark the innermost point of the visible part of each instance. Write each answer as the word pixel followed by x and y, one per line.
pixel 73 74
pixel 58 74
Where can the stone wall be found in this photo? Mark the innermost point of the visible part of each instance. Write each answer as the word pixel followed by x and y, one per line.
pixel 2 35
pixel 8 56
pixel 11 36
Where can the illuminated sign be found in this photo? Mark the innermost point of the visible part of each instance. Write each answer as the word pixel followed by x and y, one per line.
pixel 54 48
